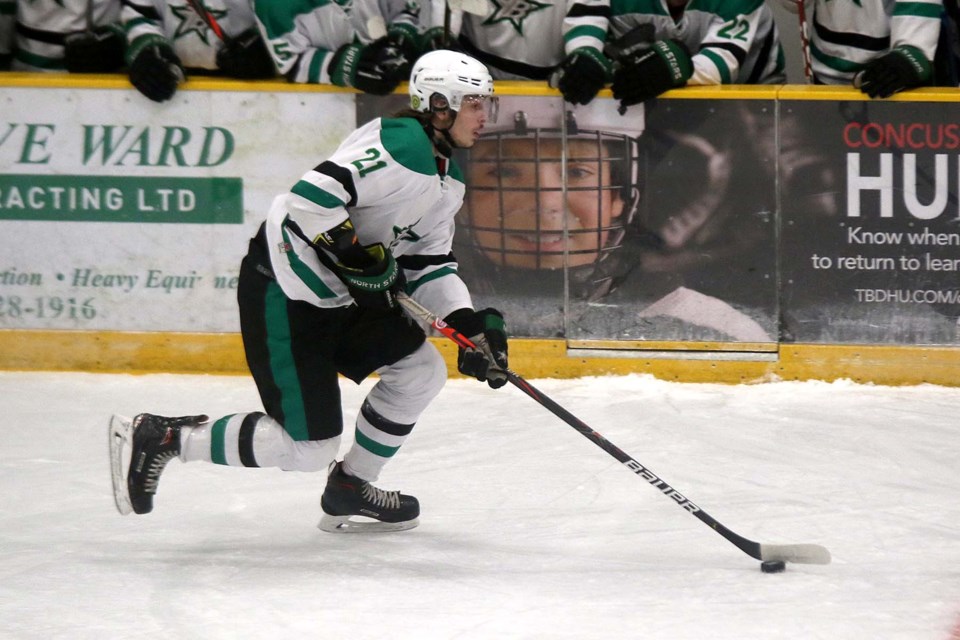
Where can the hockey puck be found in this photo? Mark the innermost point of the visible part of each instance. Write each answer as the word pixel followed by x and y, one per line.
pixel 773 566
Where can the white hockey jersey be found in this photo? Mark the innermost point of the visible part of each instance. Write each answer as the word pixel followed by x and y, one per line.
pixel 732 41
pixel 302 36
pixel 846 34
pixel 385 178
pixel 527 39
pixel 193 40
pixel 42 25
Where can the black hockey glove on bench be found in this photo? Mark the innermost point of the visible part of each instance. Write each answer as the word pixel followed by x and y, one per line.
pixel 486 329
pixel 904 67
pixel 644 71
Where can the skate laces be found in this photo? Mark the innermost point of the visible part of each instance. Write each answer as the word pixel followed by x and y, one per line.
pixel 157 464
pixel 381 498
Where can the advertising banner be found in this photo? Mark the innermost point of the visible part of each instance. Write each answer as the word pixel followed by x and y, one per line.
pixel 585 223
pixel 870 241
pixel 117 213
pixel 581 222
pixel 702 245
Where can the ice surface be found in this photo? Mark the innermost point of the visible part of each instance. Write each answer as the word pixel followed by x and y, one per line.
pixel 528 529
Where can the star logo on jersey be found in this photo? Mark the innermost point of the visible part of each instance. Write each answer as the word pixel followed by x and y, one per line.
pixel 405 233
pixel 514 12
pixel 191 22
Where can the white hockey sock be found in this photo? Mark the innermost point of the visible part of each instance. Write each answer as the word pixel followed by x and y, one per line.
pixel 376 440
pixel 254 440
pixel 391 409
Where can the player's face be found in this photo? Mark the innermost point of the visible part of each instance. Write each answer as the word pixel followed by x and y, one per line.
pixel 469 123
pixel 516 205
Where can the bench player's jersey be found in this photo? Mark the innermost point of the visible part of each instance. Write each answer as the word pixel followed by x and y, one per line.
pixel 732 41
pixel 844 36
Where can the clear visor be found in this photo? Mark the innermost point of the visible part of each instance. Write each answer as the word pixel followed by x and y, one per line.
pixel 488 104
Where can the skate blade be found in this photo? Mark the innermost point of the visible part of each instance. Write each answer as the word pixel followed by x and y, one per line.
pixel 120 434
pixel 343 524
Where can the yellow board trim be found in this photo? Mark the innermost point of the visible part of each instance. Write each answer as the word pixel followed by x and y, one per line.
pixel 222 354
pixel 844 92
pixel 655 345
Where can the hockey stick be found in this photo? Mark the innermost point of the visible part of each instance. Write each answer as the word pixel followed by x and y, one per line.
pixel 804 40
pixel 208 18
pixel 799 553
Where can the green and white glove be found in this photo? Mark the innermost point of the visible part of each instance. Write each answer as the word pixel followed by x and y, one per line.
pixel 375 280
pixel 376 68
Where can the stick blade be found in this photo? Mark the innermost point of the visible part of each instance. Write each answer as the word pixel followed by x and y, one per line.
pixel 798 553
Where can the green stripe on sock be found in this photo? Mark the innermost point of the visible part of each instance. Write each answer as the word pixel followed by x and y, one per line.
pixel 218 450
pixel 373 446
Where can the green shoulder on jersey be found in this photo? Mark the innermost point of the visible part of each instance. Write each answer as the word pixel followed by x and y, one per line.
pixel 278 17
pixel 408 144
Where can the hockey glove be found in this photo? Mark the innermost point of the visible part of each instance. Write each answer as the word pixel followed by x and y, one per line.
pixel 486 329
pixel 246 57
pixel 97 51
pixel 372 277
pixel 374 68
pixel 403 39
pixel 904 67
pixel 582 74
pixel 155 70
pixel 649 72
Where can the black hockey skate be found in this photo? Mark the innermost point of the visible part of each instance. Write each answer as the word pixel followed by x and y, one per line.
pixel 352 505
pixel 153 442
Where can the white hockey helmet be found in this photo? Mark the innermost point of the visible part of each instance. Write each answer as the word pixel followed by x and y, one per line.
pixel 450 74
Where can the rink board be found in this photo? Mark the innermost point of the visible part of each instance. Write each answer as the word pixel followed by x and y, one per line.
pixel 172 335
pixel 531 358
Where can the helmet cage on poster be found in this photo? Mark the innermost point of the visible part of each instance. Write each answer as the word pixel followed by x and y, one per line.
pixel 598 189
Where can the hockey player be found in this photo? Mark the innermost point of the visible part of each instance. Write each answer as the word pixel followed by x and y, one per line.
pixel 80 36
pixel 346 44
pixel 665 44
pixel 167 36
pixel 317 298
pixel 879 46
pixel 558 42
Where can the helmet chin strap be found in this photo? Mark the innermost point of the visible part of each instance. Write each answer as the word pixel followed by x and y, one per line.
pixel 449 138
pixel 444 142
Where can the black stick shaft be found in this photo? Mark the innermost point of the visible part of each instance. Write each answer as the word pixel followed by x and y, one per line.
pixel 814 554
pixel 749 547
